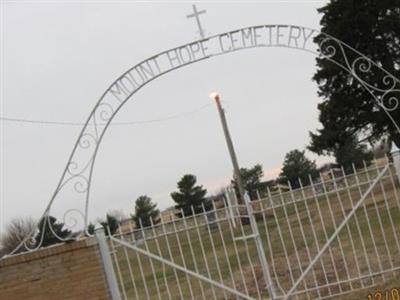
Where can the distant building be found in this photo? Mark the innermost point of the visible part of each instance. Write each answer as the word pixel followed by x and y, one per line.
pixel 263 186
pixel 271 185
pixel 168 214
pixel 126 225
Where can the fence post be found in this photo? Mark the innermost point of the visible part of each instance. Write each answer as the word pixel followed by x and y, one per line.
pixel 260 248
pixel 396 159
pixel 107 264
pixel 231 202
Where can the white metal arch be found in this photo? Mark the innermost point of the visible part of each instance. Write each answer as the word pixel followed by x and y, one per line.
pixel 79 168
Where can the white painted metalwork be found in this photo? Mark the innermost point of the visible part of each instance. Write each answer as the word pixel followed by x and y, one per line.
pixel 231 202
pixel 351 226
pixel 337 235
pixel 179 265
pixel 107 264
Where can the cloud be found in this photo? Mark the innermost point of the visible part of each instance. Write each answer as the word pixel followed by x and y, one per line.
pixel 271 173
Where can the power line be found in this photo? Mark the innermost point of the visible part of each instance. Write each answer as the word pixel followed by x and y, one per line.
pixel 67 123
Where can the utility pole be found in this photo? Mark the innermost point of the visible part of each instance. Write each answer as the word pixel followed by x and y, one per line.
pixel 243 201
pixel 229 143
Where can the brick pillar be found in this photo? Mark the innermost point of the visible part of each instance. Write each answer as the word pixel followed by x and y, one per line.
pixel 71 271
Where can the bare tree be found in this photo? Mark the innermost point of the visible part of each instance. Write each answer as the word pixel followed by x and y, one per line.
pixel 15 232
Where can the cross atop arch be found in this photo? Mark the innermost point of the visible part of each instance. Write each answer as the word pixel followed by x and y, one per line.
pixel 196 14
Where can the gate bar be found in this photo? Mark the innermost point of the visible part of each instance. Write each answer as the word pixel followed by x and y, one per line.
pixel 259 247
pixel 332 238
pixel 173 265
pixel 108 265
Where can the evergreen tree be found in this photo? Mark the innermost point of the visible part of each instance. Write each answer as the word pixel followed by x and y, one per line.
pixel 296 165
pixel 145 212
pixel 48 225
pixel 351 152
pixel 348 111
pixel 91 229
pixel 110 225
pixel 251 180
pixel 190 195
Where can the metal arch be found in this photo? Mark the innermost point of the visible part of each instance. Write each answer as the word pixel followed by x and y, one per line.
pixel 105 109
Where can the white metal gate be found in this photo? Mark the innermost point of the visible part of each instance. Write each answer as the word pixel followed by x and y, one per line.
pixel 210 255
pixel 336 236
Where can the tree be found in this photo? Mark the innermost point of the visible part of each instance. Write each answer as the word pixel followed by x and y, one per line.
pixel 110 225
pixel 91 229
pixel 190 195
pixel 348 111
pixel 352 153
pixel 146 212
pixel 250 179
pixel 51 232
pixel 15 232
pixel 118 214
pixel 297 166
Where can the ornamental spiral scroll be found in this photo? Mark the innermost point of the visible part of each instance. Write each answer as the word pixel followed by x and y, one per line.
pixel 385 92
pixel 79 168
pixel 390 99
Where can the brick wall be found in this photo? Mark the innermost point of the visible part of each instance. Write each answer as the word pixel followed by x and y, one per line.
pixel 69 271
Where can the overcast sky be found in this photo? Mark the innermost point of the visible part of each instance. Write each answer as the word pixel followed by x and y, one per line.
pixel 59 57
